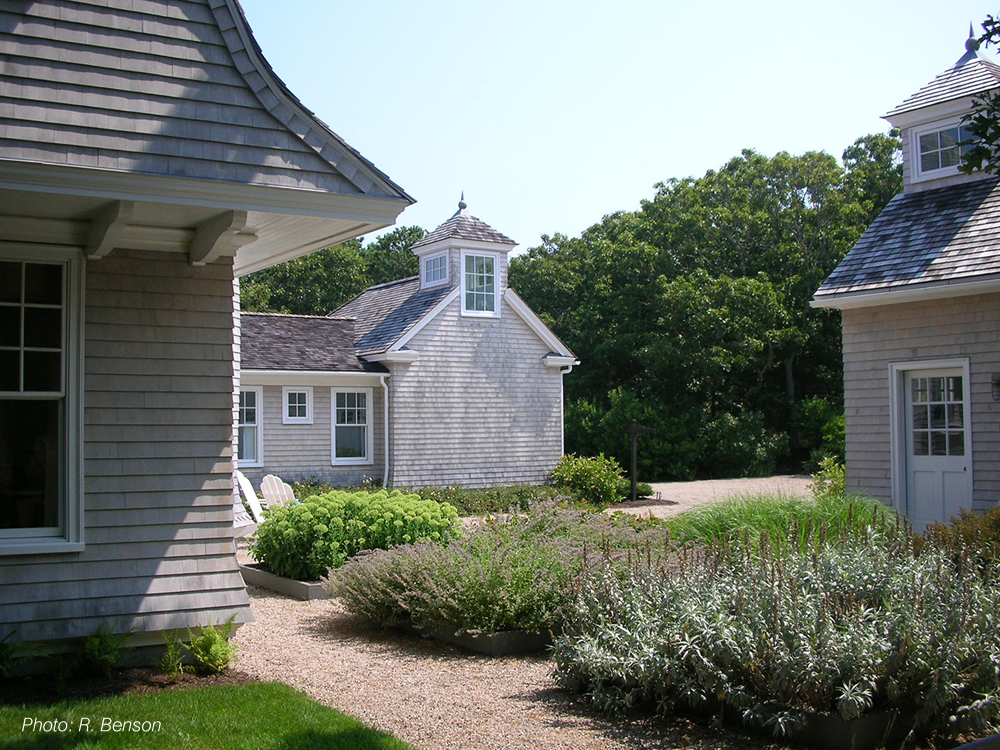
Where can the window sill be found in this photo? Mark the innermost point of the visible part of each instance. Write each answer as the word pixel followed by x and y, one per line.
pixel 39 547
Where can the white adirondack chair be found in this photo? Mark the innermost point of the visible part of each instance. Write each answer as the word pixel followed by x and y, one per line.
pixel 250 495
pixel 275 491
pixel 243 523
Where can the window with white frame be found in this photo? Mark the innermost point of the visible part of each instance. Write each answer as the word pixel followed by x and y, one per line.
pixel 40 402
pixel 479 285
pixel 939 151
pixel 298 405
pixel 250 437
pixel 435 270
pixel 352 428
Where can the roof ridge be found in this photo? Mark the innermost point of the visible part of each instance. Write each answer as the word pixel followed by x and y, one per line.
pixel 331 316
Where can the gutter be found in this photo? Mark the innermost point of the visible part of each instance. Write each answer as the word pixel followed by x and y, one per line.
pixel 385 429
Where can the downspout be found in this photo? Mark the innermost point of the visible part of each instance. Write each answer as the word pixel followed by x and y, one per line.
pixel 385 428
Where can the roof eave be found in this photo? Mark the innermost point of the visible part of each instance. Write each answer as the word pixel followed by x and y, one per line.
pixel 907 293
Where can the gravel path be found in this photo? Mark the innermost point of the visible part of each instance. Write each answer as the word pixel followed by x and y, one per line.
pixel 437 697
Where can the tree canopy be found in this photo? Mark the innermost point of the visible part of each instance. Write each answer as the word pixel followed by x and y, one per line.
pixel 319 283
pixel 981 151
pixel 692 314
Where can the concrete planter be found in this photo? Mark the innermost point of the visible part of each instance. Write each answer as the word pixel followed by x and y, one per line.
pixel 254 576
pixel 507 643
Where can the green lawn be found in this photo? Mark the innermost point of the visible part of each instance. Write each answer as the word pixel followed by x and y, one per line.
pixel 257 716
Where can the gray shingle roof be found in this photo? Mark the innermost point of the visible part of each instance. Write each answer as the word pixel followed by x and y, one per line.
pixel 464 226
pixel 300 342
pixel 972 74
pixel 385 312
pixel 944 235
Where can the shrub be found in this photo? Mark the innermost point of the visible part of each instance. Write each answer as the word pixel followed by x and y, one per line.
pixel 862 625
pixel 597 480
pixel 102 650
pixel 517 573
pixel 830 482
pixel 304 540
pixel 210 647
pixel 977 533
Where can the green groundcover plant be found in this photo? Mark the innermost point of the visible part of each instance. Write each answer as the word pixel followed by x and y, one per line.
pixel 870 621
pixel 513 573
pixel 304 540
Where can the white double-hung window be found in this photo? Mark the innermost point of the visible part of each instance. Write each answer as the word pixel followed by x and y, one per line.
pixel 41 492
pixel 250 437
pixel 435 270
pixel 480 284
pixel 352 426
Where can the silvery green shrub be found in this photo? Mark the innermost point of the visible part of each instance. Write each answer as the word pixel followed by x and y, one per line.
pixel 304 540
pixel 866 623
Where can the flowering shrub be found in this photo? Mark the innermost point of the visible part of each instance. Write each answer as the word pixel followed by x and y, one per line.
pixel 514 574
pixel 305 539
pixel 865 624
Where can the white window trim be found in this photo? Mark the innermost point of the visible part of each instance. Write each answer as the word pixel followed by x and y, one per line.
pixel 369 458
pixel 496 285
pixel 69 537
pixel 424 283
pixel 259 390
pixel 897 421
pixel 308 418
pixel 918 174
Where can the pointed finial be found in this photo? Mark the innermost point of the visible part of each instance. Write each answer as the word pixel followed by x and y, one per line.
pixel 462 205
pixel 971 44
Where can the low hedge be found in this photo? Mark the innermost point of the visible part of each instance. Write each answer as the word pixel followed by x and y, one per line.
pixel 304 540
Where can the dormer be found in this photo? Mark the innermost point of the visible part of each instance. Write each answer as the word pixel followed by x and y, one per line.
pixel 466 252
pixel 930 121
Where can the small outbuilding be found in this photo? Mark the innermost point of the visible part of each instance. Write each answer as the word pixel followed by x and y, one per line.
pixel 446 378
pixel 920 299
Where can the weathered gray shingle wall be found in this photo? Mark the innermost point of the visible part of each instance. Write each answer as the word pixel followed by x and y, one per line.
pixel 158 471
pixel 874 337
pixel 478 407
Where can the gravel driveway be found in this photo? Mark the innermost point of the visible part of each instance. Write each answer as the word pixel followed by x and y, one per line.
pixel 437 697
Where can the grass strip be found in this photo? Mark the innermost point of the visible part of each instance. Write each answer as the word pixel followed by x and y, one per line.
pixel 219 717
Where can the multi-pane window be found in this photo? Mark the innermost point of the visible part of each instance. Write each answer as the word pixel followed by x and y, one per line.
pixel 298 406
pixel 938 411
pixel 352 426
pixel 940 148
pixel 436 270
pixel 39 494
pixel 249 435
pixel 479 288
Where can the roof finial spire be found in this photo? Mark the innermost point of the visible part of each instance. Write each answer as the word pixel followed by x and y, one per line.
pixel 462 205
pixel 971 44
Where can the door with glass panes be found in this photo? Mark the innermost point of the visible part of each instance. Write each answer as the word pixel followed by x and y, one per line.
pixel 938 446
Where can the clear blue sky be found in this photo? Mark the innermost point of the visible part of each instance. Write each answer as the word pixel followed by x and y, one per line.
pixel 550 114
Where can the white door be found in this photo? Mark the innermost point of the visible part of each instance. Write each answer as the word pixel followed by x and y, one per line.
pixel 938 445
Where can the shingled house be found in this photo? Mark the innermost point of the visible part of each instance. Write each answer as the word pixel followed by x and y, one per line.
pixel 920 298
pixel 148 157
pixel 446 378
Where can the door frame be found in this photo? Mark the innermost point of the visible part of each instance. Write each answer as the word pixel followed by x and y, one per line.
pixel 897 420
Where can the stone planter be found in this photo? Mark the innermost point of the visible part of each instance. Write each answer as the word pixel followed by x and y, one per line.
pixel 507 643
pixel 255 576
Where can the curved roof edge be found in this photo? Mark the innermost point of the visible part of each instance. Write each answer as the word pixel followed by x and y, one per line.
pixel 284 106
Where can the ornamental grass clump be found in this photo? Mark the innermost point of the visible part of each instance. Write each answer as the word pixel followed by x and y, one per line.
pixel 516 573
pixel 304 540
pixel 865 623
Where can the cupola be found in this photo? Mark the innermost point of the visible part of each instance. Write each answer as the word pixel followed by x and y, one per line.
pixel 930 121
pixel 467 252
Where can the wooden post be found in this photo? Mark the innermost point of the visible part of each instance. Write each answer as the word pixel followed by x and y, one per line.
pixel 634 431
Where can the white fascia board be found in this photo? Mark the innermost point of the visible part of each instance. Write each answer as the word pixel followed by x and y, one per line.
pixel 535 324
pixel 395 357
pixel 551 361
pixel 461 244
pixel 899 295
pixel 923 115
pixel 428 317
pixel 191 191
pixel 308 377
